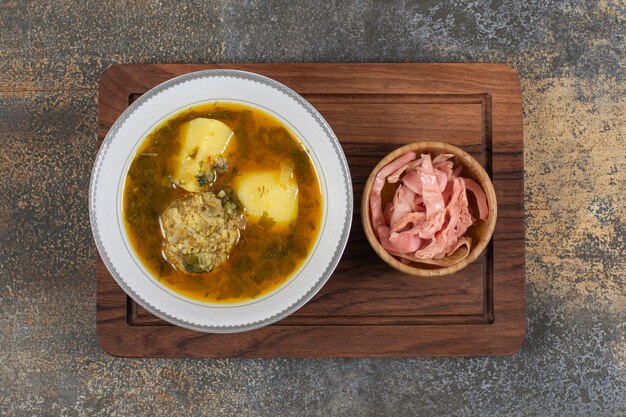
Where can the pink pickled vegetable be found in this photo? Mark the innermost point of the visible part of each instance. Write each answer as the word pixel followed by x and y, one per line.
pixel 430 213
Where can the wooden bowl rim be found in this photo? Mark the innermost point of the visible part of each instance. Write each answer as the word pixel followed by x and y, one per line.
pixel 484 181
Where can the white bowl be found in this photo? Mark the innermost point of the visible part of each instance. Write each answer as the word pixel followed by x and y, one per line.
pixel 160 103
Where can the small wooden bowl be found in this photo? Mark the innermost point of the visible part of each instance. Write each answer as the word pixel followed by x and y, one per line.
pixel 480 233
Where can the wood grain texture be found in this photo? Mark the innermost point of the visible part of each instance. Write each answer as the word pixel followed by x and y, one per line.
pixel 367 308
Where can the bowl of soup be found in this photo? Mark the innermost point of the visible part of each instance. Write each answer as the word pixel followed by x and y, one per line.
pixel 221 201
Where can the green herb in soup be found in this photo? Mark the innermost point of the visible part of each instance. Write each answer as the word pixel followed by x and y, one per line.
pixel 222 203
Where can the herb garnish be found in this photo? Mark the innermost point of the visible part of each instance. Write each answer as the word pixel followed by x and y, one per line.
pixel 231 203
pixel 220 164
pixel 266 221
pixel 191 263
pixel 205 179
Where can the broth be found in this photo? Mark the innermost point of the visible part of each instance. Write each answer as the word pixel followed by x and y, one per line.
pixel 265 256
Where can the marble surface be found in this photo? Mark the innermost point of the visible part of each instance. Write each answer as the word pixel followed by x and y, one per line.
pixel 571 59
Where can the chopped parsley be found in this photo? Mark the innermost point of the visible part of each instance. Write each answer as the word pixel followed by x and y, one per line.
pixel 266 221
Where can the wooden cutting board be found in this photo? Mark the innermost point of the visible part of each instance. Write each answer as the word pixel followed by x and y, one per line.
pixel 367 308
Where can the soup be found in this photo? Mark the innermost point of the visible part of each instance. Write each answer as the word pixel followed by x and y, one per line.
pixel 222 203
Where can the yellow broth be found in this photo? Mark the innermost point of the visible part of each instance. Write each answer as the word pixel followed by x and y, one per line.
pixel 263 259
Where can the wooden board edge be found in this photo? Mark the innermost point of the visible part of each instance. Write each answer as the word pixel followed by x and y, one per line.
pixel 119 70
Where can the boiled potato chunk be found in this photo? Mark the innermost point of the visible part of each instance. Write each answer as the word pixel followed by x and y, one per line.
pixel 273 193
pixel 201 140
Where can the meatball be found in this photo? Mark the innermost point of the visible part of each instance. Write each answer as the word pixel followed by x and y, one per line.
pixel 198 235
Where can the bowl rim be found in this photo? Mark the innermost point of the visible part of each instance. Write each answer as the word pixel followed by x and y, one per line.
pixel 334 147
pixel 469 162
